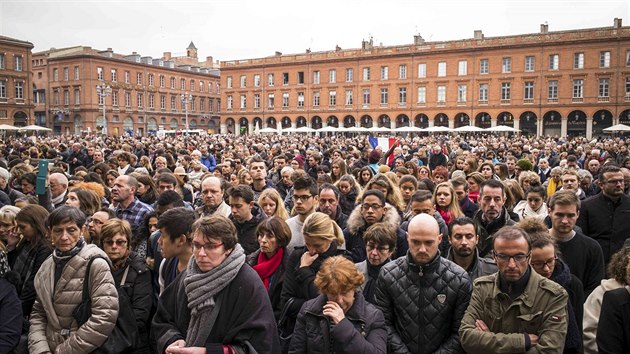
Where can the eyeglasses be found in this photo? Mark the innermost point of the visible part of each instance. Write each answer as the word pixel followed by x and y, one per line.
pixel 371 247
pixel 117 242
pixel 208 247
pixel 505 258
pixel 366 207
pixel 96 221
pixel 549 263
pixel 302 198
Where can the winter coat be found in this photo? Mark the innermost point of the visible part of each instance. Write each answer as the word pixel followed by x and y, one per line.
pixel 353 233
pixel 480 266
pixel 275 281
pixel 247 325
pixel 246 231
pixel 11 315
pixel 423 305
pixel 486 230
pixel 613 332
pixel 436 160
pixel 469 208
pixel 27 263
pixel 606 222
pixel 53 329
pixel 592 309
pixel 539 310
pixel 523 211
pixel 361 331
pixel 348 201
pixel 573 286
pixel 138 287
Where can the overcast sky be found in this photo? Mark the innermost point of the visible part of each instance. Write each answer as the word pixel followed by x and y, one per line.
pixel 242 29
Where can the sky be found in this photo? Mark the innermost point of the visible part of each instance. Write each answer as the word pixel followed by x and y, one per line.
pixel 244 29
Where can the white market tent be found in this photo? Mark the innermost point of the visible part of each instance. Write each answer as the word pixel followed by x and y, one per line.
pixel 618 128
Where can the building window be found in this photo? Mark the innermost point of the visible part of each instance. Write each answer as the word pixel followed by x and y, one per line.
pixel 65 74
pixel 140 100
pixel 172 83
pixel 243 80
pixel 506 89
pixel 529 63
pixel 483 92
pixel 285 100
pixel 162 102
pixel 243 101
pixel 201 86
pixel 604 87
pixel 229 102
pixel 228 82
pixel 18 63
pixel 270 100
pixel 462 68
pixel 300 99
pixel 173 103
pixel 349 75
pixel 19 90
pixel 366 74
pixel 257 80
pixel 76 73
pixel 316 77
pixel 422 95
pixel 163 83
pixel 366 96
pixel 2 61
pixel 349 99
pixel 402 72
pixel 127 77
pixel 66 97
pixel 628 58
pixel 441 94
pixel 441 69
pixel 332 76
pixel 192 85
pixel 127 99
pixel 77 97
pixel 578 88
pixel 578 61
pixel 285 78
pixel 315 99
pixel 3 89
pixel 402 95
pixel 99 74
pixel 506 66
pixel 55 74
pixel 529 90
pixel 384 95
pixel 552 89
pixel 483 66
pixel 151 101
pixel 461 93
pixel 384 72
pixel 554 62
pixel 151 79
pixel 256 101
pixel 627 86
pixel 270 79
pixel 604 59
pixel 114 75
pixel 182 84
pixel 422 70
pixel 56 98
pixel 139 78
pixel 332 98
pixel 202 103
pixel 115 98
pixel 218 90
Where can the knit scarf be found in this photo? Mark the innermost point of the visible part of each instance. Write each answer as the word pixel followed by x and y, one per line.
pixel 267 266
pixel 202 287
pixel 552 187
pixel 473 196
pixel 445 215
pixel 64 255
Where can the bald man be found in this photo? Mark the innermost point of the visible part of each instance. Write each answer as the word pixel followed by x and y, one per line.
pixel 423 295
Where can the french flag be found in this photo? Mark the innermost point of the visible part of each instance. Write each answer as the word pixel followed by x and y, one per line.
pixel 387 145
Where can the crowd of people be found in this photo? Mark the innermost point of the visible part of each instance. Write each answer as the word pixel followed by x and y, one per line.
pixel 314 244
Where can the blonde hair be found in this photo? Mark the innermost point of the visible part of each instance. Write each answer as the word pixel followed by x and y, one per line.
pixel 338 275
pixel 8 213
pixel 92 186
pixel 453 208
pixel 320 225
pixel 272 194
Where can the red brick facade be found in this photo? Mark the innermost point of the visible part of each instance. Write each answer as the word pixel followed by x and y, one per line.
pixel 16 95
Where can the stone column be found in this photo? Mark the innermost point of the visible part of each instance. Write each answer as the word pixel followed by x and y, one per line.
pixel 250 127
pixel 451 123
pixel 223 128
pixel 589 128
pixel 431 123
pixel 393 124
pixel 493 121
pixel 563 126
pixel 293 124
pixel 539 127
pixel 517 123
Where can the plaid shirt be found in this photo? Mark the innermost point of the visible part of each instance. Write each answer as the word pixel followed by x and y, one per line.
pixel 134 213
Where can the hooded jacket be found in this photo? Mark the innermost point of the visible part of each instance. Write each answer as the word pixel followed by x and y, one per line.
pixel 353 233
pixel 246 231
pixel 592 309
pixel 485 230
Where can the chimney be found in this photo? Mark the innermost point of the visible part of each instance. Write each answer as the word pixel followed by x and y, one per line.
pixel 308 50
pixel 478 34
pixel 209 59
pixel 418 40
pixel 278 53
pixel 544 28
pixel 167 55
pixel 617 23
pixel 337 48
pixel 367 45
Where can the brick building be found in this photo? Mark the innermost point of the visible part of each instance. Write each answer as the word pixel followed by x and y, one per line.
pixel 16 99
pixel 144 95
pixel 573 82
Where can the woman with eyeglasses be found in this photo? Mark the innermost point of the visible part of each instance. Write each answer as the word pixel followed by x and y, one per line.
pixel 130 275
pixel 380 246
pixel 218 304
pixel 544 261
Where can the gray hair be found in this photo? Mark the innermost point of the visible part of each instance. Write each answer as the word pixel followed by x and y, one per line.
pixel 4 173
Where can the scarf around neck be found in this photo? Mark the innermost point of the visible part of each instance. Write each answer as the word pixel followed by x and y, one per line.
pixel 201 289
pixel 267 266
pixel 369 291
pixel 60 255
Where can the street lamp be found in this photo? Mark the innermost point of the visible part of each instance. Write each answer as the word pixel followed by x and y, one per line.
pixel 186 97
pixel 103 91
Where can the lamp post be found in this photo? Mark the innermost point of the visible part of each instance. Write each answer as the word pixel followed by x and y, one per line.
pixel 103 91
pixel 186 97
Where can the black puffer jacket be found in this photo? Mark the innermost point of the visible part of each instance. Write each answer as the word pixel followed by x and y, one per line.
pixel 423 305
pixel 362 331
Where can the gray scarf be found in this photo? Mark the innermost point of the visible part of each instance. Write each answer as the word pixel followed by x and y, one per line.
pixel 201 289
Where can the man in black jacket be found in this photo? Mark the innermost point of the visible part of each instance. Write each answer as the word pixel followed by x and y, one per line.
pixel 246 215
pixel 423 295
pixel 492 216
pixel 329 204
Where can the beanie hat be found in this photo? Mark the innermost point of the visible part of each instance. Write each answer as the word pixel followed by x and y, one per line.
pixel 300 160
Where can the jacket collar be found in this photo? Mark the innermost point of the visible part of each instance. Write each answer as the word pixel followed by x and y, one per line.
pixel 426 268
pixel 530 288
pixel 356 221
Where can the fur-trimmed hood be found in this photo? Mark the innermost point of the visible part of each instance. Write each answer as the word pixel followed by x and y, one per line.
pixel 356 221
